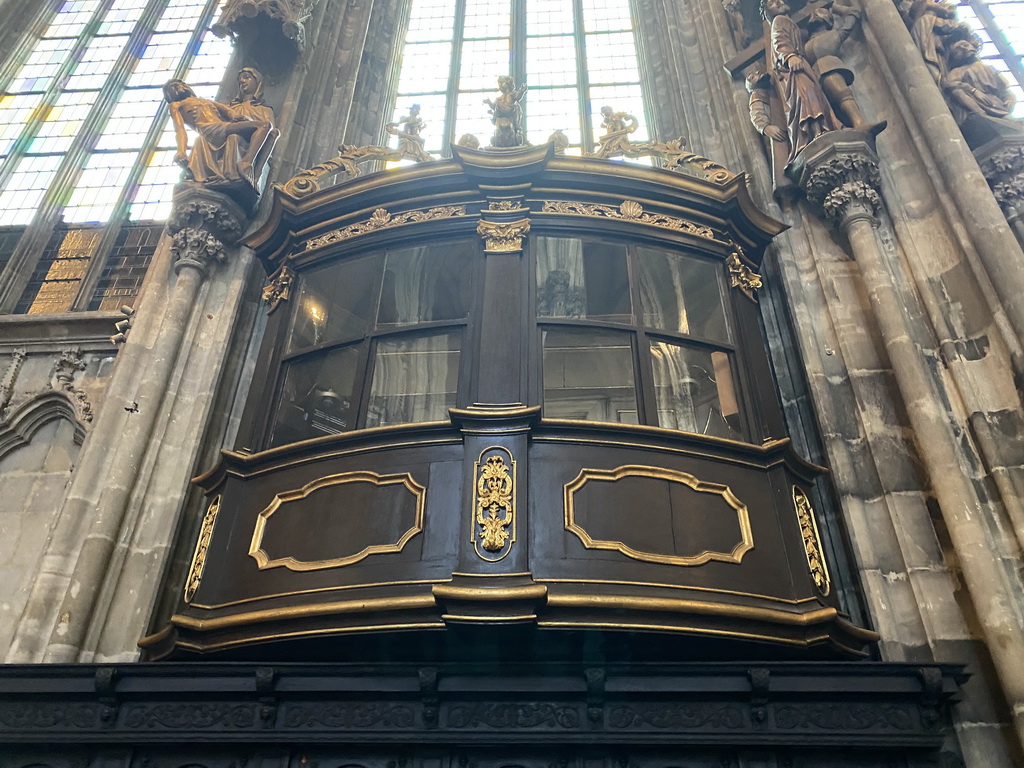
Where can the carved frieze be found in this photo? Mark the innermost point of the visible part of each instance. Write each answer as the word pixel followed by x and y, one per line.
pixel 628 210
pixel 382 219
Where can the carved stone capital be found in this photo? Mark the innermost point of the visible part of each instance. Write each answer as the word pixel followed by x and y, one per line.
pixel 839 172
pixel 202 226
pixel 1002 163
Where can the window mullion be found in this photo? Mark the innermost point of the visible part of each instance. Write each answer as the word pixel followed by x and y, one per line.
pixel 31 35
pixel 451 107
pixel 52 92
pixel 582 78
pixel 517 52
pixel 121 208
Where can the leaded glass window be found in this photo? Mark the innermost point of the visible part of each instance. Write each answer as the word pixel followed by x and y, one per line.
pixel 574 55
pixel 82 123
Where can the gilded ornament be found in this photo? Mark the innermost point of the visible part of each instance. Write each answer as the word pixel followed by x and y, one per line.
pixel 195 572
pixel 494 503
pixel 381 219
pixel 278 288
pixel 503 236
pixel 741 276
pixel 628 210
pixel 812 541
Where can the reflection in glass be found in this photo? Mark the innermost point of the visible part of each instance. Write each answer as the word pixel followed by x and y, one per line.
pixel 695 391
pixel 336 303
pixel 577 278
pixel 414 379
pixel 681 294
pixel 588 375
pixel 318 396
pixel 425 284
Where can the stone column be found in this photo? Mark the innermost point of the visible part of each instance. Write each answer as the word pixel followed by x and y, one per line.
pixel 1002 163
pixel 839 172
pixel 203 225
pixel 998 248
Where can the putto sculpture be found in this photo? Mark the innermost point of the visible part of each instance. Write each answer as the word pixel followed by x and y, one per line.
pixel 410 143
pixel 617 127
pixel 507 114
pixel 234 141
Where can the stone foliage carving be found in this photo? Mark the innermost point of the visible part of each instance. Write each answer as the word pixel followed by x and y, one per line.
pixel 1004 171
pixel 68 364
pixel 292 15
pixel 202 226
pixel 845 185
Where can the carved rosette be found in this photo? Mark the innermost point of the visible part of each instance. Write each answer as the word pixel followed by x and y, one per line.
pixel 812 541
pixel 503 236
pixel 203 225
pixel 1004 171
pixel 278 287
pixel 195 571
pixel 844 182
pixel 494 504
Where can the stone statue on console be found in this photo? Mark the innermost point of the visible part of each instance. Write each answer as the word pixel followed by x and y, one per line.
pixel 233 143
pixel 808 112
pixel 931 24
pixel 828 27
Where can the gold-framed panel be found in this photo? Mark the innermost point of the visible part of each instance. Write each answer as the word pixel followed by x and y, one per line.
pixel 406 480
pixel 735 556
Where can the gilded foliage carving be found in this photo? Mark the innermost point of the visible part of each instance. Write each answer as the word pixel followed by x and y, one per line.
pixel 278 287
pixel 494 504
pixel 195 572
pixel 742 276
pixel 628 210
pixel 812 541
pixel 503 236
pixel 382 219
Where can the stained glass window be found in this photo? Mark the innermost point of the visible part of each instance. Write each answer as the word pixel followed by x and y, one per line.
pixel 82 123
pixel 575 56
pixel 999 24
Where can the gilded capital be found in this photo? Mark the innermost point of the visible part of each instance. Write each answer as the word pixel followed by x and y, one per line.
pixel 503 236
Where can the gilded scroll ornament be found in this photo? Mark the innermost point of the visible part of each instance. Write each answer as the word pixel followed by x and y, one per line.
pixel 741 276
pixel 195 572
pixel 381 219
pixel 812 542
pixel 494 503
pixel 503 236
pixel 629 210
pixel 278 287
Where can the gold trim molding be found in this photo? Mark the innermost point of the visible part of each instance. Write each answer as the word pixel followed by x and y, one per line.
pixel 628 210
pixel 586 475
pixel 742 276
pixel 264 561
pixel 494 504
pixel 382 219
pixel 195 571
pixel 812 541
pixel 503 236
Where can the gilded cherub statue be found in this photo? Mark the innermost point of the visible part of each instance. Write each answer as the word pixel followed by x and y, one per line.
pixel 410 143
pixel 617 127
pixel 507 114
